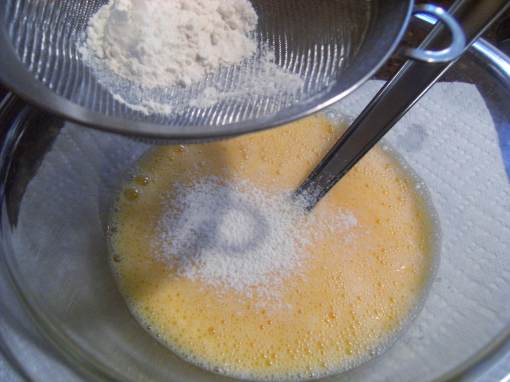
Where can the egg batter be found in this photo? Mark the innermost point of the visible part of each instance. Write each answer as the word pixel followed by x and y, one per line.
pixel 352 290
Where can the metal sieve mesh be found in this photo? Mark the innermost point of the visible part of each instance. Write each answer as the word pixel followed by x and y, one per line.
pixel 332 45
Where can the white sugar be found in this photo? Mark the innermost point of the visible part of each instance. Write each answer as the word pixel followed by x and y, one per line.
pixel 236 235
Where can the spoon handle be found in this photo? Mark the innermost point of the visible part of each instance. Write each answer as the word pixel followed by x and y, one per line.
pixel 395 98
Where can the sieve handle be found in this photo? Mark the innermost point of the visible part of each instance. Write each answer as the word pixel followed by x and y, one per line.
pixel 450 53
pixel 395 98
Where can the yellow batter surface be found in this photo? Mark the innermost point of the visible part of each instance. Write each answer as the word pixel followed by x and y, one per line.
pixel 350 294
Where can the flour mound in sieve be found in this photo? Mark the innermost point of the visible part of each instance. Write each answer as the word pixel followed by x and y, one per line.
pixel 167 43
pixel 164 57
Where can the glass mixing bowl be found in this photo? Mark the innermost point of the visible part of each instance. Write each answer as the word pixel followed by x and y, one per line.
pixel 57 185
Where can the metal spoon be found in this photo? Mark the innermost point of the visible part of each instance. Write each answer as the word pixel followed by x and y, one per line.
pixel 399 94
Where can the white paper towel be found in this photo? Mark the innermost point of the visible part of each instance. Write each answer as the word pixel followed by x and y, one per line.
pixel 450 141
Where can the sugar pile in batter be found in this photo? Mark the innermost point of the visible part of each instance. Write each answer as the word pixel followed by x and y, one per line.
pixel 236 235
pixel 168 43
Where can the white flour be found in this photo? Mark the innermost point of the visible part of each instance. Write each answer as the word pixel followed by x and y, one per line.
pixel 167 43
pixel 238 236
pixel 267 79
pixel 163 57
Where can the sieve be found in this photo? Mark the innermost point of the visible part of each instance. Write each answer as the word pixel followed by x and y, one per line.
pixel 332 45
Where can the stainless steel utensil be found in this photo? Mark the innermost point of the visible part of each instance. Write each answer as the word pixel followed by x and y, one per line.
pixel 396 98
pixel 334 45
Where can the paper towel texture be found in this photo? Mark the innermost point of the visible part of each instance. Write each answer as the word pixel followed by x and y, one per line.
pixel 450 141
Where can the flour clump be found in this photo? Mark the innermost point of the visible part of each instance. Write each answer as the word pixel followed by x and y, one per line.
pixel 161 43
